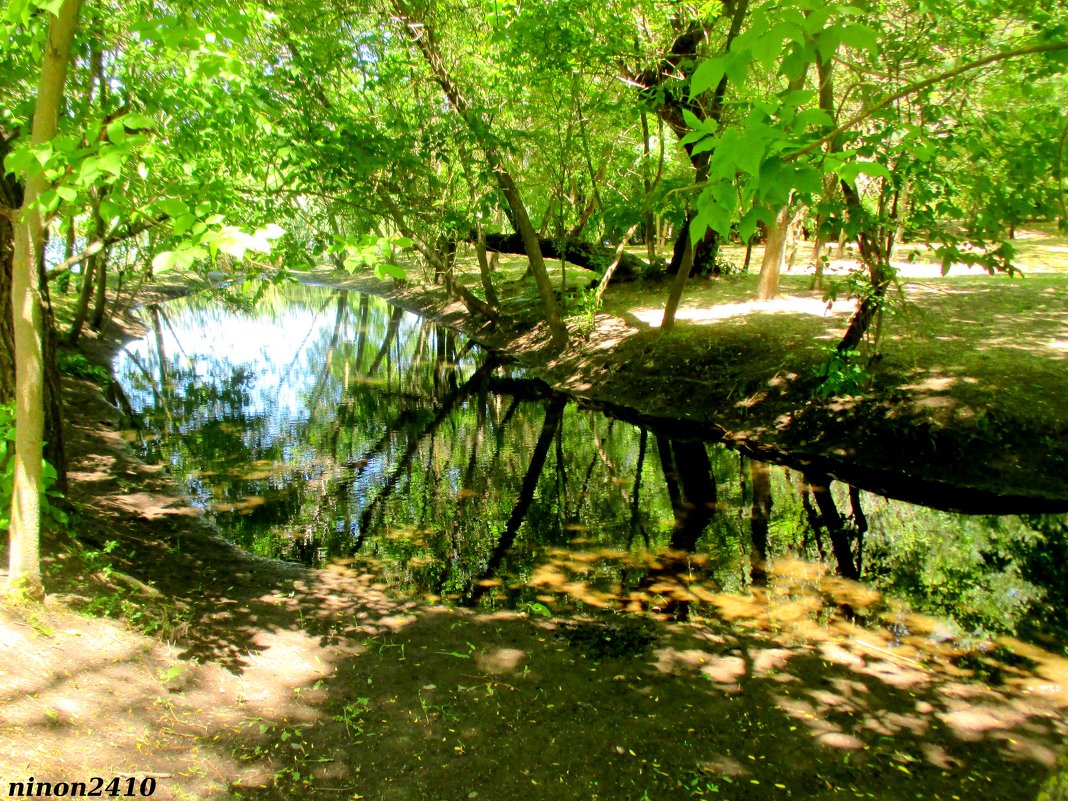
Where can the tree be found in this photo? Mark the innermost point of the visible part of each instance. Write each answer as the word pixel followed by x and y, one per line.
pixel 792 138
pixel 24 571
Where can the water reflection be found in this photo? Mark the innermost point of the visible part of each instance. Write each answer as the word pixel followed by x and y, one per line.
pixel 326 425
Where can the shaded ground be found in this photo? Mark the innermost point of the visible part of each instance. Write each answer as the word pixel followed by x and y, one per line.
pixel 267 680
pixel 237 677
pixel 970 389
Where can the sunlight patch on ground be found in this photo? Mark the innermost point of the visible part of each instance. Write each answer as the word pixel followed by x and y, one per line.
pixel 724 311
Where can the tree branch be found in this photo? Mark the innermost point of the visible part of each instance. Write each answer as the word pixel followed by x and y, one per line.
pixel 919 86
pixel 95 247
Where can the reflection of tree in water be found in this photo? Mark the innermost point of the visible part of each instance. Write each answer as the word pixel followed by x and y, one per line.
pixel 443 474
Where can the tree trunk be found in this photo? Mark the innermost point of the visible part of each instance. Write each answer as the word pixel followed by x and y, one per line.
pixel 1059 172
pixel 484 271
pixel 902 208
pixel 649 228
pixel 759 523
pixel 832 520
pixel 872 254
pixel 774 251
pixel 760 513
pixel 672 305
pixel 443 267
pixel 554 413
pixel 579 254
pixel 100 299
pixel 12 197
pixel 94 264
pixel 25 531
pixel 606 279
pixel 55 451
pixel 422 35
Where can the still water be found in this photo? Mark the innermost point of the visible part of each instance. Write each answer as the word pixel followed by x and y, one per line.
pixel 323 425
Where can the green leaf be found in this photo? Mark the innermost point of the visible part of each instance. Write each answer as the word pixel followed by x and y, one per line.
pixel 68 193
pixel 859 37
pixel 116 132
pixel 393 271
pixel 18 161
pixel 707 75
pixel 183 223
pixel 136 122
pixel 172 207
pixel 693 122
pixel 112 161
pixel 850 170
pixel 747 226
pixel 42 153
pixel 714 216
pixel 163 261
pixel 48 201
pixel 109 210
pixel 813 117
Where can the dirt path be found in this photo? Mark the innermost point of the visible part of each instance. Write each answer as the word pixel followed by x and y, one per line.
pixel 259 679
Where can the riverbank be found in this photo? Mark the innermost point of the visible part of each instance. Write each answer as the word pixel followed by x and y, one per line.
pixel 969 395
pixel 225 676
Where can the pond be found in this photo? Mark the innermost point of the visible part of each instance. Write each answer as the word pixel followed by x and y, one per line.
pixel 322 425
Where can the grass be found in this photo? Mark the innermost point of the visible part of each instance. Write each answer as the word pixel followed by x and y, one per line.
pixel 965 360
pixel 285 683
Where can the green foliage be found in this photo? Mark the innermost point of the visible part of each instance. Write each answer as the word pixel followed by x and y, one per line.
pixel 979 576
pixel 584 302
pixel 75 364
pixel 376 252
pixel 538 609
pixel 352 715
pixel 842 373
pixel 7 475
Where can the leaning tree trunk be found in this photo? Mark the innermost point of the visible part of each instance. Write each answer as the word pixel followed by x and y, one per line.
pixel 100 299
pixel 422 35
pixel 25 528
pixel 872 253
pixel 95 265
pixel 688 254
pixel 579 254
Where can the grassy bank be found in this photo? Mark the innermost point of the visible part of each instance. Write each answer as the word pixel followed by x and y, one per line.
pixel 164 653
pixel 969 389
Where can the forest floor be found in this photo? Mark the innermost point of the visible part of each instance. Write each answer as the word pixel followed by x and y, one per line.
pixel 164 653
pixel 969 389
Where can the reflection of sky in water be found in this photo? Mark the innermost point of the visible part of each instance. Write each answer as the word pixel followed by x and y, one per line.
pixel 405 467
pixel 265 347
pixel 273 351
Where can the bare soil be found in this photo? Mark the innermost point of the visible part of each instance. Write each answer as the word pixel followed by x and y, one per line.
pixel 164 652
pixel 964 407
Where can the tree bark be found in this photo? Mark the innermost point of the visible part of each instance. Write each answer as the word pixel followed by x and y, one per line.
pixel 774 252
pixel 580 254
pixel 872 254
pixel 25 531
pixel 422 35
pixel 675 297
pixel 11 197
pixel 649 227
pixel 94 264
pixel 100 299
